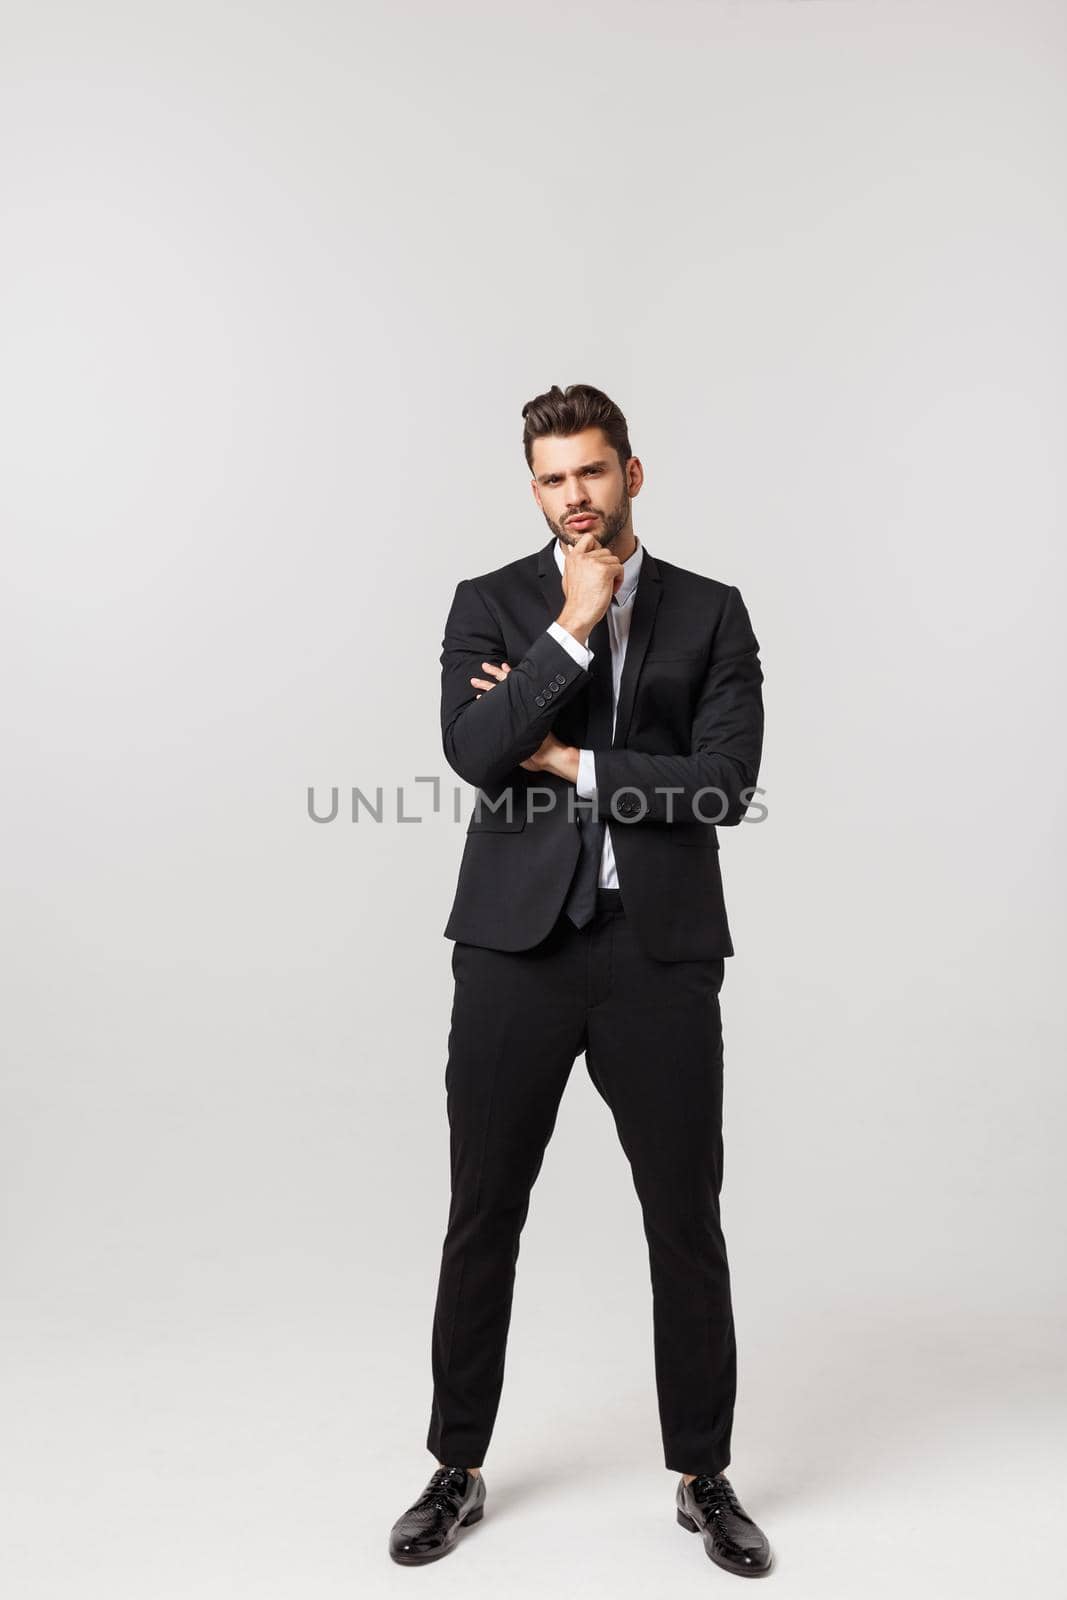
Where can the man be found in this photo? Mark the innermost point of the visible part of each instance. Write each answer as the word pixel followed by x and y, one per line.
pixel 607 706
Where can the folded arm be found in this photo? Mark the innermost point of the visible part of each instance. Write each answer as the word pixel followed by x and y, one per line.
pixel 485 738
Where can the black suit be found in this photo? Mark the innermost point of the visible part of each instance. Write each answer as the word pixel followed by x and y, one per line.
pixel 636 989
pixel 690 715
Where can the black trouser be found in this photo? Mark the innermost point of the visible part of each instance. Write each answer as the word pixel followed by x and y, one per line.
pixel 652 1037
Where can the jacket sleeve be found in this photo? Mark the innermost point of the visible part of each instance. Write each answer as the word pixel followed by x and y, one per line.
pixel 485 739
pixel 727 741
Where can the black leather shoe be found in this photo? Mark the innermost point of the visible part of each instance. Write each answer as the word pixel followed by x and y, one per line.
pixel 731 1538
pixel 453 1499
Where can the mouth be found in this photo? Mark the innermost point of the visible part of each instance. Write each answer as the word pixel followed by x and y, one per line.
pixel 581 522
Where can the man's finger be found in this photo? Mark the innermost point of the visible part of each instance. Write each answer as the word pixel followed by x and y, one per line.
pixel 483 683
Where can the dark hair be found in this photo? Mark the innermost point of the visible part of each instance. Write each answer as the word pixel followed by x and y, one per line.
pixel 565 411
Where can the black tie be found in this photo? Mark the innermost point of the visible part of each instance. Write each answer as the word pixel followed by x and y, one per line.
pixel 580 903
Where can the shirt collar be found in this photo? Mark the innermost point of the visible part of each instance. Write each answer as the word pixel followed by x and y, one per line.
pixel 631 568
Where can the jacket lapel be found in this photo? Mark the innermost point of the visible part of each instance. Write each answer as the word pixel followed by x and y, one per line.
pixel 550 579
pixel 646 601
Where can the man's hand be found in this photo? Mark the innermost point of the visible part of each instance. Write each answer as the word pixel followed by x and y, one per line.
pixel 591 577
pixel 551 755
pixel 500 673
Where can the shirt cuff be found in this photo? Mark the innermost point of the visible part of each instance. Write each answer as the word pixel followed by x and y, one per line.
pixel 578 652
pixel 586 775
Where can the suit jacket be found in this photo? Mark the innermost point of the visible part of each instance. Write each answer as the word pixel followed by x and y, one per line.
pixel 689 717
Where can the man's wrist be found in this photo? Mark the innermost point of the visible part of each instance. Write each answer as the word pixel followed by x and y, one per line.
pixel 579 627
pixel 565 762
pixel 579 653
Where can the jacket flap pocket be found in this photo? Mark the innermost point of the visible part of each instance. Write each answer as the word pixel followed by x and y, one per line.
pixel 695 833
pixel 510 818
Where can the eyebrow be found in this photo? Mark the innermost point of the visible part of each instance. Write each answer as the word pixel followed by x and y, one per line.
pixel 544 476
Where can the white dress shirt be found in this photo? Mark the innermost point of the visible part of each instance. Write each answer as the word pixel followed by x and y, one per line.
pixel 618 614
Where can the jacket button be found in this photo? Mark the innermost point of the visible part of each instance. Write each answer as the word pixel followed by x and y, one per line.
pixel 560 679
pixel 540 699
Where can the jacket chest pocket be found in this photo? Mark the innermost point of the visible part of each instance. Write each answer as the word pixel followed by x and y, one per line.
pixel 691 657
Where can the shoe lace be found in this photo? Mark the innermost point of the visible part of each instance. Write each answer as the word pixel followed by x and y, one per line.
pixel 714 1494
pixel 445 1488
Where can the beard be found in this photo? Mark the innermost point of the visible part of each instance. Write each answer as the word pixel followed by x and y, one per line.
pixel 612 524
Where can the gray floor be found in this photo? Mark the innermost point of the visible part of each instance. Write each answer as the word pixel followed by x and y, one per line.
pixel 879 1452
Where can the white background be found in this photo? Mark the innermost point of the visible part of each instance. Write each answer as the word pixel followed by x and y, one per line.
pixel 278 281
